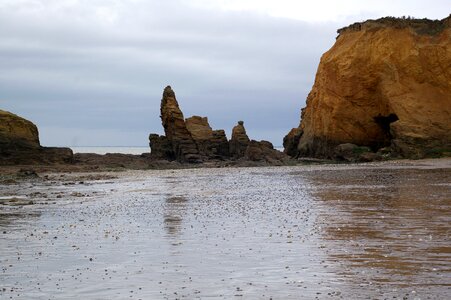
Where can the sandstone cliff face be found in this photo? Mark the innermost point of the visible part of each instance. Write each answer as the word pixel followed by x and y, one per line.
pixel 19 143
pixel 384 83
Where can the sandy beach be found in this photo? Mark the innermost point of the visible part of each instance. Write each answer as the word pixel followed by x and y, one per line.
pixel 379 230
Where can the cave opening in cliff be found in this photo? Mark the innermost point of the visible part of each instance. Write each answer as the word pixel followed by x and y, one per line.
pixel 384 123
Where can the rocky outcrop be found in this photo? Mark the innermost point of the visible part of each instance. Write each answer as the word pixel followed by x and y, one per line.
pixel 190 140
pixel 193 140
pixel 384 83
pixel 160 147
pixel 264 151
pixel 181 142
pixel 239 141
pixel 210 143
pixel 199 128
pixel 17 132
pixel 220 144
pixel 291 142
pixel 19 143
pixel 353 153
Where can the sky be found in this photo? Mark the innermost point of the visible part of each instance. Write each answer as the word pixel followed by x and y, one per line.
pixel 92 72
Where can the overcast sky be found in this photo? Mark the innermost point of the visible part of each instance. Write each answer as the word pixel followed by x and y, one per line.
pixel 91 72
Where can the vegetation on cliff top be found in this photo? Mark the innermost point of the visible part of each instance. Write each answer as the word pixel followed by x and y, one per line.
pixel 420 26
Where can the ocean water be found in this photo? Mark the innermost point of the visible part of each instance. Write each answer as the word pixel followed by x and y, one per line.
pixel 304 232
pixel 111 149
pixel 123 150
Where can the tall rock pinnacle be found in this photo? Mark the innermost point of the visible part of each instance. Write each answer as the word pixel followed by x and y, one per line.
pixel 178 136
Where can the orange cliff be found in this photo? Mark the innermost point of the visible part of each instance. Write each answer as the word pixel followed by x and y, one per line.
pixel 385 83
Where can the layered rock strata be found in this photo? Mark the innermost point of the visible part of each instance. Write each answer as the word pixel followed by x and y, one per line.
pixel 178 136
pixel 193 139
pixel 161 147
pixel 385 83
pixel 239 141
pixel 210 143
pixel 19 143
pixel 177 143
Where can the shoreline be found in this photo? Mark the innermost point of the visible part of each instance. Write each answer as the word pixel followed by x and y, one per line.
pixel 33 170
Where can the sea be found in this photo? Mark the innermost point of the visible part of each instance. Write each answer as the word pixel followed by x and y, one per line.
pixel 111 149
pixel 120 149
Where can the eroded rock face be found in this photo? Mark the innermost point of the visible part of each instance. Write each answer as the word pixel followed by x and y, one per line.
pixel 264 151
pixel 19 143
pixel 17 132
pixel 182 143
pixel 291 142
pixel 160 147
pixel 210 143
pixel 239 141
pixel 193 139
pixel 201 132
pixel 190 140
pixel 220 144
pixel 383 83
pixel 199 128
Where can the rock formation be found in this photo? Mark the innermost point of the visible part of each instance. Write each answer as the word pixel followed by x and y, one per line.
pixel 353 153
pixel 384 83
pixel 239 141
pixel 220 144
pixel 291 142
pixel 19 143
pixel 16 132
pixel 264 151
pixel 161 147
pixel 209 143
pixel 190 140
pixel 179 138
pixel 193 139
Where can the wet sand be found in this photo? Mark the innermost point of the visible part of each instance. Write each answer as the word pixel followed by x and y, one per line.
pixel 379 230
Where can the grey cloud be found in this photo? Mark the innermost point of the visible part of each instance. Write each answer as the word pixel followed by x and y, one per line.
pixel 66 69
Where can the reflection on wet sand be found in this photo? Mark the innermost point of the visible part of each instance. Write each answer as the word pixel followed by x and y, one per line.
pixel 10 219
pixel 174 209
pixel 311 232
pixel 387 226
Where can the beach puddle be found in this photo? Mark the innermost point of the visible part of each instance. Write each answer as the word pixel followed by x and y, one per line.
pixel 315 232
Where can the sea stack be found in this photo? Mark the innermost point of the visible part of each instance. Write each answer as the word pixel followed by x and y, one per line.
pixel 384 84
pixel 192 140
pixel 239 140
pixel 186 140
pixel 178 136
